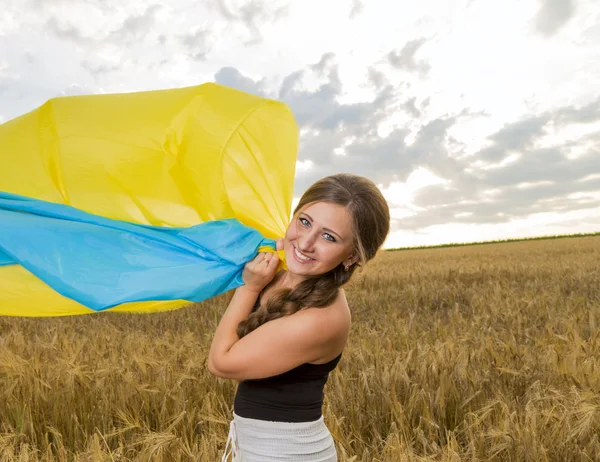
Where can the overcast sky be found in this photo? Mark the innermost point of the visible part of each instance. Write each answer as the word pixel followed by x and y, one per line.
pixel 478 119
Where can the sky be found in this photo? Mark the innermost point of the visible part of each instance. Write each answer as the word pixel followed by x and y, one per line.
pixel 478 119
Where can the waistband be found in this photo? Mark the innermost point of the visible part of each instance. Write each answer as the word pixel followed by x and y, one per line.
pixel 280 428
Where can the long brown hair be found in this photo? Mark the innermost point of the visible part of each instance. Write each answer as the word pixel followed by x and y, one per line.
pixel 370 216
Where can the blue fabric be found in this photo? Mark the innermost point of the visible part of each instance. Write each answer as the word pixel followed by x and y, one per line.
pixel 102 263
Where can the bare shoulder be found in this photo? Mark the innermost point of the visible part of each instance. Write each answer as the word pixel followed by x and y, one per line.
pixel 333 322
pixel 312 335
pixel 337 313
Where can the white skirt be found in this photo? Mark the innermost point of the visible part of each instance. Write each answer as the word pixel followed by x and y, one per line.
pixel 252 440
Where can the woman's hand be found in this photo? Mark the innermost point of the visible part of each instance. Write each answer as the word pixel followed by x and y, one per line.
pixel 261 270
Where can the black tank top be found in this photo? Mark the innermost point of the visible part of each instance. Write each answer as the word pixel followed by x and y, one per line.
pixel 293 396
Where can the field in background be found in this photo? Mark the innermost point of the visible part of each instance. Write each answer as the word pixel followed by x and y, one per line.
pixel 489 352
pixel 522 239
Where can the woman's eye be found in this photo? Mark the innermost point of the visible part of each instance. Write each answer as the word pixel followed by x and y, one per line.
pixel 329 237
pixel 304 221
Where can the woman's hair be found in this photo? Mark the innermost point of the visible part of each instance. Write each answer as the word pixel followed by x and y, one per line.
pixel 370 217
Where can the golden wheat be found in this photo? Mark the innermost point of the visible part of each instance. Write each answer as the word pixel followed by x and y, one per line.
pixel 457 354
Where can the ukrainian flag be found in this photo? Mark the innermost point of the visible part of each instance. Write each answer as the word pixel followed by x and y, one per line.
pixel 141 201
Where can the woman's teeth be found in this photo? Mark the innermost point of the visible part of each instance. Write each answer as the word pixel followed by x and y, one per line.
pixel 301 256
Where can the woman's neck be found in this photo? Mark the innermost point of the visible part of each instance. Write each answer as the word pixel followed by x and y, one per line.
pixel 283 279
pixel 290 280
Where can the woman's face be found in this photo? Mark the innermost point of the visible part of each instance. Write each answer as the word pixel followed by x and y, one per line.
pixel 319 239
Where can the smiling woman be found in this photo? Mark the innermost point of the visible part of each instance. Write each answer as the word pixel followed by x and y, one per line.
pixel 284 332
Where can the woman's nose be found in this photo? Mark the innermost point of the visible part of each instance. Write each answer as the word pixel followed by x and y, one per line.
pixel 306 241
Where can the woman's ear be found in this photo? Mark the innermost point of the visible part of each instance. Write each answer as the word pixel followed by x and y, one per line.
pixel 350 260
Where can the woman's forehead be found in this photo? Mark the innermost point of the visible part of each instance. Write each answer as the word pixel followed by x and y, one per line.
pixel 329 215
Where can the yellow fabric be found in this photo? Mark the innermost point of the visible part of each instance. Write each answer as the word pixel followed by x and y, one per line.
pixel 175 157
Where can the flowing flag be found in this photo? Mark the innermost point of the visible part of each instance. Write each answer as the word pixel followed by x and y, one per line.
pixel 140 201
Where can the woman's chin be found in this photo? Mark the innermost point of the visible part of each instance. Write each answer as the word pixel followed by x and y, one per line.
pixel 300 268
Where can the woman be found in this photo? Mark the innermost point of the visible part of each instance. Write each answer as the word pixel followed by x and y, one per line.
pixel 283 333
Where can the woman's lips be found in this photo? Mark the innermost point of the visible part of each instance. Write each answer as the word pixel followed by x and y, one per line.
pixel 299 259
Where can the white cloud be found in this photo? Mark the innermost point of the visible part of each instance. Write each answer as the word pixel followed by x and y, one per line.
pixel 535 184
pixel 542 224
pixel 400 193
pixel 304 166
pixel 590 177
pixel 552 15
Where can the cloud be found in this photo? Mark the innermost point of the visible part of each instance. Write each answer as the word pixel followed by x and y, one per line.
pixel 376 78
pixel 344 137
pixel 290 82
pixel 384 159
pixel 243 20
pixel 326 62
pixel 515 136
pixel 522 135
pixel 67 31
pixel 585 114
pixel 253 15
pixel 134 27
pixel 542 164
pixel 107 5
pixel 410 106
pixel 99 69
pixel 539 179
pixel 75 89
pixel 442 205
pixel 197 43
pixel 318 109
pixel 357 9
pixel 405 58
pixel 231 77
pixel 553 15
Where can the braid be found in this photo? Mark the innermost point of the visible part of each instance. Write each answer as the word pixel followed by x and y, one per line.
pixel 318 292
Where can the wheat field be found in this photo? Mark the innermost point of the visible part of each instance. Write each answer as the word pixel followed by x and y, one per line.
pixel 487 352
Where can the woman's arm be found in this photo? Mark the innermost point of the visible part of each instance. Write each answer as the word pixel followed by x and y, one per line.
pixel 226 336
pixel 257 274
pixel 285 343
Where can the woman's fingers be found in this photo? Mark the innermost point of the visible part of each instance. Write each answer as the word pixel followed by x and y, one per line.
pixel 259 271
pixel 260 258
pixel 273 261
pixel 265 259
pixel 279 244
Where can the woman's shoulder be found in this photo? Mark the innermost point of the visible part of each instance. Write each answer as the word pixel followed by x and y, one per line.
pixel 338 309
pixel 336 320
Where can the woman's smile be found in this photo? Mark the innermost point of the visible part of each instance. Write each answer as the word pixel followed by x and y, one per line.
pixel 300 257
